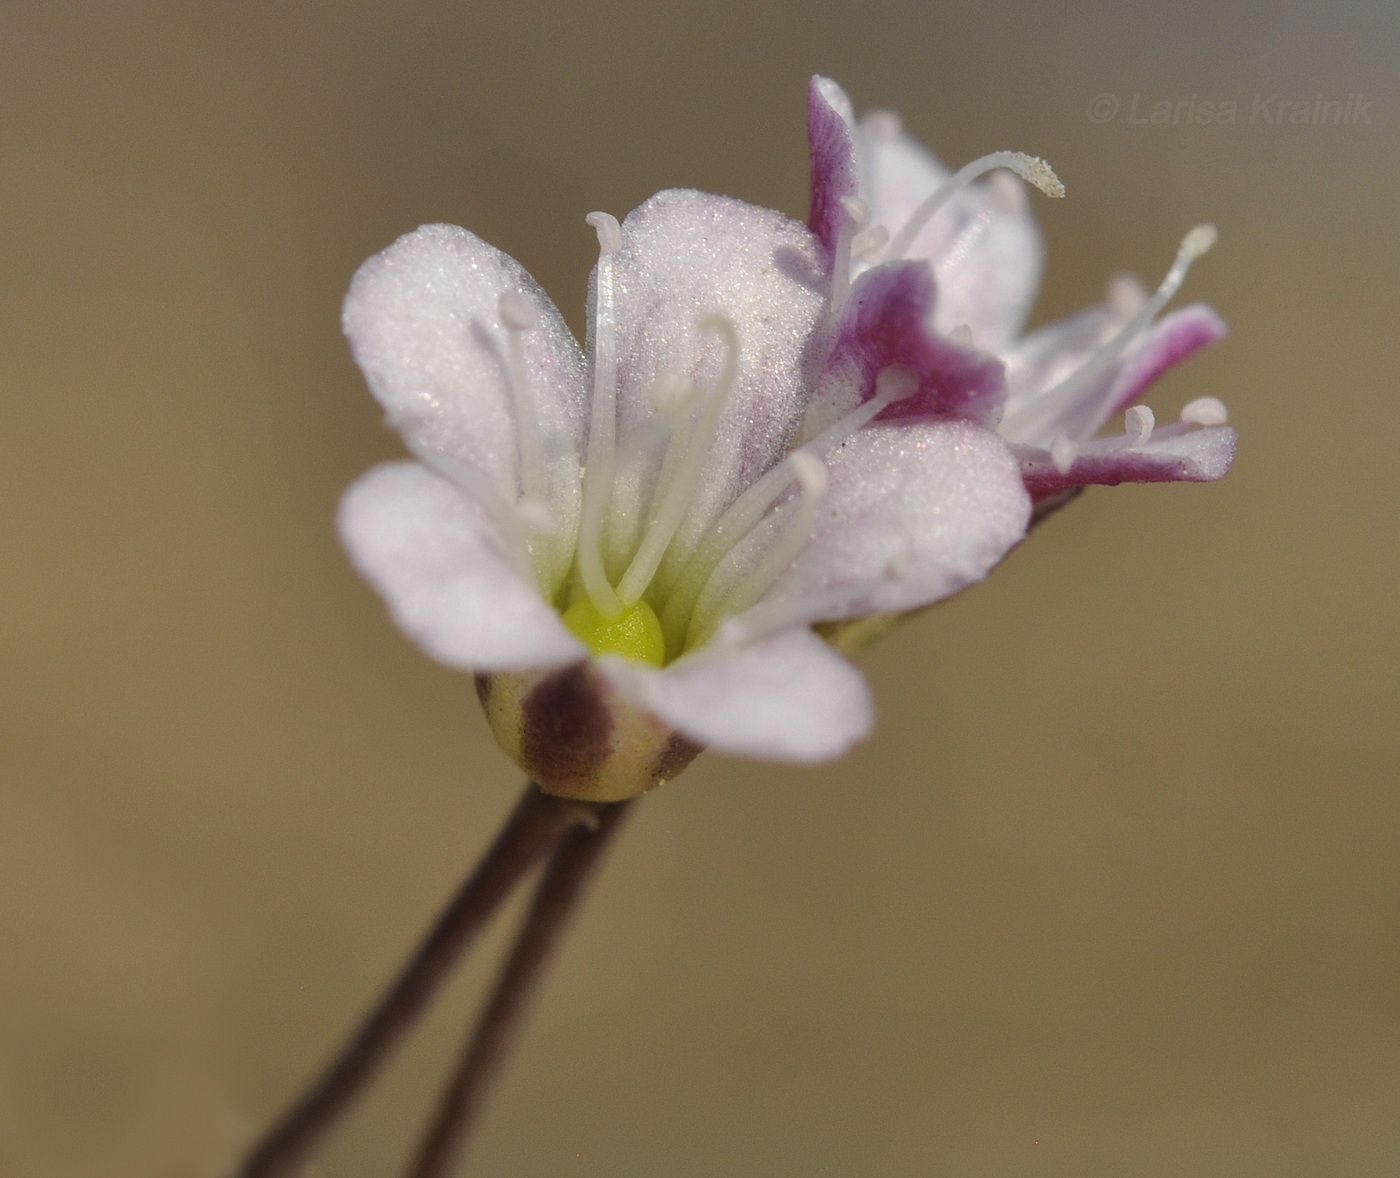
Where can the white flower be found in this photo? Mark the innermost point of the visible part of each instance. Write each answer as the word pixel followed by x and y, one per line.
pixel 630 547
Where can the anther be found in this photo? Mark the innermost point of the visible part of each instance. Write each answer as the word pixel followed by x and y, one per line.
pixel 962 335
pixel 1205 411
pixel 1063 452
pixel 1138 424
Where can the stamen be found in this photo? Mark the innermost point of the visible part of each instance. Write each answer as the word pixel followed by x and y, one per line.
pixel 962 335
pixel 1041 411
pixel 1063 452
pixel 518 315
pixel 1205 411
pixel 1138 423
pixel 811 475
pixel 1031 169
pixel 857 217
pixel 869 242
pixel 679 477
pixel 602 432
pixel 893 384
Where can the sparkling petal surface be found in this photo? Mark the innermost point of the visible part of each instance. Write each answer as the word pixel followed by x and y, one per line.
pixel 443 568
pixel 423 318
pixel 910 515
pixel 686 255
pixel 1175 453
pixel 786 697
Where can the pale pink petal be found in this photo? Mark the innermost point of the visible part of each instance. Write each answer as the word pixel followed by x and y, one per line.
pixel 687 255
pixel 1174 453
pixel 910 514
pixel 423 318
pixel 984 244
pixel 1048 355
pixel 447 574
pixel 831 141
pixel 1054 354
pixel 887 321
pixel 785 697
pixel 1176 337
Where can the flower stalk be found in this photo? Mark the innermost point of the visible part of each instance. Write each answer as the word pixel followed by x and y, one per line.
pixel 531 833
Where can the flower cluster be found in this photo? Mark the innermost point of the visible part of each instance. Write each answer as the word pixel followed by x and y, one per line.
pixel 774 427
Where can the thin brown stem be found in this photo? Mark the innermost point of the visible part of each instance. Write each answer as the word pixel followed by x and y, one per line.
pixel 533 830
pixel 555 902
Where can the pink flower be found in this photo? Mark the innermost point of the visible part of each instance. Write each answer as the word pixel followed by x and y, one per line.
pixel 775 427
pixel 896 227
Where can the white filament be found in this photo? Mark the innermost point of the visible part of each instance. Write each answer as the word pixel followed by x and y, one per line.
pixel 893 384
pixel 856 218
pixel 1037 416
pixel 1030 168
pixel 810 473
pixel 681 469
pixel 518 315
pixel 599 465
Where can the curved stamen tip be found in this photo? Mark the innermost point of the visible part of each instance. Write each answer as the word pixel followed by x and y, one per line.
pixel 518 312
pixel 1205 411
pixel 1034 170
pixel 1198 241
pixel 608 230
pixel 1138 424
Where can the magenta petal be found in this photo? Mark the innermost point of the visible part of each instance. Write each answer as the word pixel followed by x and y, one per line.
pixel 831 140
pixel 887 321
pixel 1178 336
pixel 1174 454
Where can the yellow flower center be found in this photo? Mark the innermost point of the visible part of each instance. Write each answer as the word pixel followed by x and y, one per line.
pixel 635 633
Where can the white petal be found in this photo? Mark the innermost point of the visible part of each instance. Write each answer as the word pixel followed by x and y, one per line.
pixel 984 244
pixel 424 323
pixel 686 255
pixel 444 569
pixel 911 514
pixel 786 697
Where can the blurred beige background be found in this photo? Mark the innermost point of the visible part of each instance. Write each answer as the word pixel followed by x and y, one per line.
pixel 1113 889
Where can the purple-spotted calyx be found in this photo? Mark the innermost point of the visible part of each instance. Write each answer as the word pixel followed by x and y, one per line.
pixel 774 427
